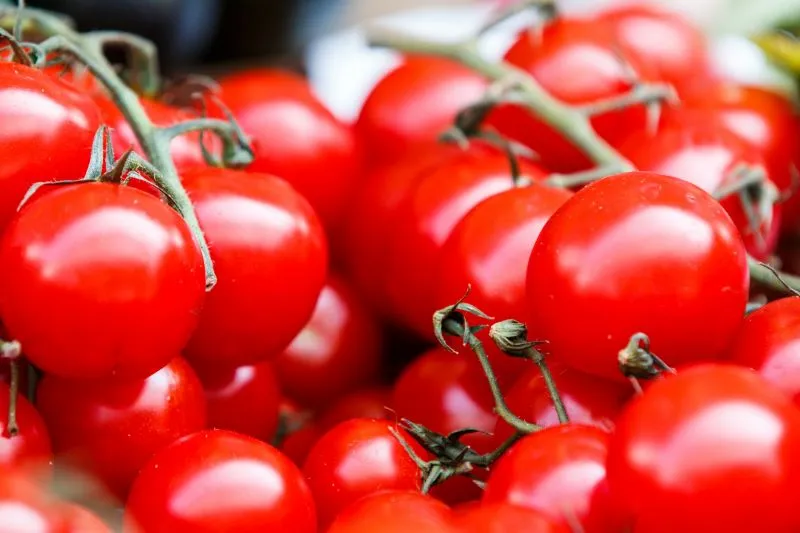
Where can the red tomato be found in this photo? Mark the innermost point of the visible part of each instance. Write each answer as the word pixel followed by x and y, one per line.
pixel 559 471
pixel 365 403
pixel 394 511
pixel 338 350
pixel 185 149
pixel 430 211
pixel 489 250
pixel 506 518
pixel 30 449
pixel 575 61
pixel 769 341
pixel 244 399
pixel 295 137
pixel 354 459
pixel 54 127
pixel 699 150
pixel 270 255
pixel 764 119
pixel 220 481
pixel 667 42
pixel 412 105
pixel 82 520
pixel 110 429
pixel 717 445
pixel 659 256
pixel 100 280
pixel 26 507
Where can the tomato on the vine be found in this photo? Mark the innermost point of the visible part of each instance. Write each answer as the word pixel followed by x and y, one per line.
pixel 26 507
pixel 30 449
pixel 219 481
pixel 395 511
pixel 296 137
pixel 51 138
pixel 100 280
pixel 110 429
pixel 270 256
pixel 715 444
pixel 637 252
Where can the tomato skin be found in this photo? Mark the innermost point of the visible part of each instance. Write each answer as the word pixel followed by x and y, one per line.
pixel 270 256
pixel 557 468
pixel 697 148
pixel 111 429
pixel 244 399
pixel 337 351
pixel 218 480
pixel 769 342
pixel 505 518
pixel 296 138
pixel 26 507
pixel 30 450
pixel 715 442
pixel 354 459
pixel 660 256
pixel 412 105
pixel 103 262
pixel 56 142
pixel 568 46
pixel 489 249
pixel 395 511
pixel 430 211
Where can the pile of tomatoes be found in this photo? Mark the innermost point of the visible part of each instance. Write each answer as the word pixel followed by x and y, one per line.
pixel 285 398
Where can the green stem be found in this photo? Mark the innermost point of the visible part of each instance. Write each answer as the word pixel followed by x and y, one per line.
pixel 536 356
pixel 142 55
pixel 771 278
pixel 488 459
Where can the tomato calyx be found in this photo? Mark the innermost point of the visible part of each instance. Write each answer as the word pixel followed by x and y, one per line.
pixel 636 361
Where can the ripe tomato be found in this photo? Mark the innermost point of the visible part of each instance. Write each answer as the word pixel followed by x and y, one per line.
pixel 354 459
pixel 395 511
pixel 220 481
pixel 185 149
pixel 110 429
pixel 337 351
pixel 412 105
pixel 30 449
pixel 270 255
pixel 489 250
pixel 717 445
pixel 505 518
pixel 296 138
pixel 26 507
pixel 430 211
pixel 575 61
pixel 559 471
pixel 52 137
pixel 244 399
pixel 769 341
pixel 668 43
pixel 100 280
pixel 660 256
pixel 698 149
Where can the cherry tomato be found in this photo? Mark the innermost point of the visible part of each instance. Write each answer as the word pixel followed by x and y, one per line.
pixel 355 459
pixel 30 449
pixel 559 471
pixel 430 211
pixel 26 507
pixel 100 280
pixel 505 518
pixel 667 42
pixel 54 127
pixel 636 252
pixel 81 520
pixel 412 105
pixel 244 399
pixel 769 341
pixel 109 429
pixel 395 511
pixel 296 138
pixel 717 445
pixel 220 481
pixel 270 256
pixel 575 61
pixel 372 403
pixel 699 150
pixel 337 351
pixel 489 250
pixel 185 149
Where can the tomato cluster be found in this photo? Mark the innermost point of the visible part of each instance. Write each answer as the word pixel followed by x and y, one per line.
pixel 306 391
